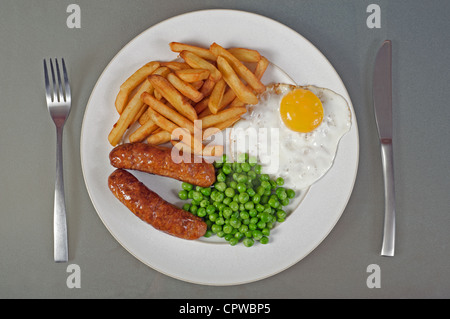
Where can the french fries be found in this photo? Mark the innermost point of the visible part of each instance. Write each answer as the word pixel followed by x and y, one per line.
pixel 239 68
pixel 175 98
pixel 167 112
pixel 201 52
pixel 197 62
pixel 245 55
pixel 185 88
pixel 186 102
pixel 214 119
pixel 240 89
pixel 132 83
pixel 216 97
pixel 192 75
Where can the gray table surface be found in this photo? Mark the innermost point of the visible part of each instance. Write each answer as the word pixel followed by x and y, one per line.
pixel 338 268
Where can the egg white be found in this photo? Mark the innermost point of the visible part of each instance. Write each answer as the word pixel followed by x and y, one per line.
pixel 300 158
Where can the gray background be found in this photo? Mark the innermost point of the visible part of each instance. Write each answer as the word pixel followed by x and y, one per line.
pixel 32 30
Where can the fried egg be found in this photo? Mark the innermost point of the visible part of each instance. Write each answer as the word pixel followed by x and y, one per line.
pixel 294 131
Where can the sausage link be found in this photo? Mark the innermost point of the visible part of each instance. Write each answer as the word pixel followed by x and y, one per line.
pixel 157 160
pixel 151 208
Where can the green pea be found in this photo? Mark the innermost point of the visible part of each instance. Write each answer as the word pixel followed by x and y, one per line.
pixel 248 242
pixel 265 231
pixel 183 194
pixel 261 224
pixel 229 192
pixel 226 168
pixel 213 217
pixel 197 196
pixel 220 186
pixel 193 209
pixel 238 235
pixel 216 228
pixel 233 241
pixel 210 209
pixel 280 181
pixel 242 178
pixel 233 184
pixel 243 198
pixel 234 206
pixel 290 193
pixel 246 167
pixel 259 208
pixel 264 177
pixel 258 169
pixel 186 207
pixel 221 177
pixel 249 205
pixel 226 213
pixel 264 240
pixel 208 233
pixel 227 200
pixel 281 193
pixel 273 202
pixel 281 214
pixel 284 202
pixel 257 234
pixel 266 185
pixel 186 186
pixel 241 187
pixel 201 212
pixel 253 212
pixel 220 221
pixel 244 214
pixel 227 229
pixel 191 194
pixel 256 198
pixel 235 223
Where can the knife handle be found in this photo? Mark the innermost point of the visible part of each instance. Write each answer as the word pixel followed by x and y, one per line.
pixel 389 198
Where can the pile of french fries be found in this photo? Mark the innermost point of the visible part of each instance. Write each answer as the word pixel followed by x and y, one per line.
pixel 184 103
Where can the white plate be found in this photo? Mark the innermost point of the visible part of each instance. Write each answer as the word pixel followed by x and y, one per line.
pixel 201 261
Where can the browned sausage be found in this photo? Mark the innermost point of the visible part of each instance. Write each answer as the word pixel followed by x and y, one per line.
pixel 157 160
pixel 151 208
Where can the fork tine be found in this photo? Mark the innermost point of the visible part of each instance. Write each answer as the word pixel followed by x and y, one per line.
pixel 55 91
pixel 47 84
pixel 61 95
pixel 66 81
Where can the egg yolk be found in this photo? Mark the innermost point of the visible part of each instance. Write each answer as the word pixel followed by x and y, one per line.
pixel 301 110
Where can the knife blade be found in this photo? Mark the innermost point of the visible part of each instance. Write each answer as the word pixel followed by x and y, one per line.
pixel 382 102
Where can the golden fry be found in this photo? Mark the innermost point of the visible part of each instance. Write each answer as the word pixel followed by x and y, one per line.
pixel 185 88
pixel 216 96
pixel 202 105
pixel 261 67
pixel 132 83
pixel 222 116
pixel 173 65
pixel 143 132
pixel 129 115
pixel 175 98
pixel 240 89
pixel 239 68
pixel 168 112
pixel 245 55
pixel 197 62
pixel 159 138
pixel 220 127
pixel 201 52
pixel 192 75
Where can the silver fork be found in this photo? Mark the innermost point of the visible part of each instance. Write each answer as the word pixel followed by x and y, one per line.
pixel 58 103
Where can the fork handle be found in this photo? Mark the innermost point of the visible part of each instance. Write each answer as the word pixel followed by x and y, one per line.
pixel 59 215
pixel 387 158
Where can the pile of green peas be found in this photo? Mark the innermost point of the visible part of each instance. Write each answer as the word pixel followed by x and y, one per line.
pixel 244 204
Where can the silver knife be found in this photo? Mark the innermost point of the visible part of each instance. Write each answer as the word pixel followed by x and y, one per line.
pixel 382 102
